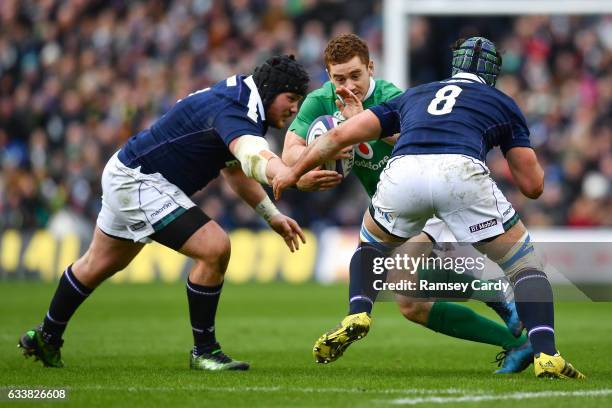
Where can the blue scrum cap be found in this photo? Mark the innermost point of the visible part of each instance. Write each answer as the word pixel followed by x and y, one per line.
pixel 479 56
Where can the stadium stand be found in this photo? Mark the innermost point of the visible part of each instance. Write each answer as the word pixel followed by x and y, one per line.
pixel 78 78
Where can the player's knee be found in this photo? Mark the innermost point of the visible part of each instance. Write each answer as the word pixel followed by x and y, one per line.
pixel 217 251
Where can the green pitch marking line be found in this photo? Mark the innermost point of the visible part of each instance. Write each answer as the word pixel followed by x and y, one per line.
pixel 501 397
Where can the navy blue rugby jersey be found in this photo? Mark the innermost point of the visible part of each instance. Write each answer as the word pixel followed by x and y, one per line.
pixel 460 115
pixel 189 144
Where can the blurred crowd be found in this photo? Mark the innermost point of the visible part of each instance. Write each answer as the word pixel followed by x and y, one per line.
pixel 77 78
pixel 559 70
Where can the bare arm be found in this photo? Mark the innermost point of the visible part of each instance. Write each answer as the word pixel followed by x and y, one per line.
pixel 360 128
pixel 292 148
pixel 315 180
pixel 526 171
pixel 248 189
pixel 254 195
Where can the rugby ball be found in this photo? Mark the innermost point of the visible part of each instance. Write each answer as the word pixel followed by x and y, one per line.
pixel 321 125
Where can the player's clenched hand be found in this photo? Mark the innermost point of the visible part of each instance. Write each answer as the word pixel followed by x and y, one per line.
pixel 319 180
pixel 283 179
pixel 352 104
pixel 288 229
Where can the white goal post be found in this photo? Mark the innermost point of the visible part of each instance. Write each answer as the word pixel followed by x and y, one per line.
pixel 396 20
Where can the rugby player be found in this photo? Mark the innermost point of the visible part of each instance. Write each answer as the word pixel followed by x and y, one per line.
pixel 350 68
pixel 446 129
pixel 146 188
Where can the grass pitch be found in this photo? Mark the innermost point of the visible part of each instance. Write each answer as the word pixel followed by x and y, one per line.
pixel 128 345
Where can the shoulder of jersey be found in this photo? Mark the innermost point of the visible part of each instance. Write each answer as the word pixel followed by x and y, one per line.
pixel 233 87
pixel 502 94
pixel 493 91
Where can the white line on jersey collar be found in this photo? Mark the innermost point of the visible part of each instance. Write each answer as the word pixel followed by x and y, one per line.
pixel 255 97
pixel 370 89
pixel 469 75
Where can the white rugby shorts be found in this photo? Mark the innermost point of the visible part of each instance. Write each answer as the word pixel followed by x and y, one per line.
pixel 455 188
pixel 437 229
pixel 136 205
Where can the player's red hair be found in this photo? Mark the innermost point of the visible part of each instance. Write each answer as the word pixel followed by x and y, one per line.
pixel 344 47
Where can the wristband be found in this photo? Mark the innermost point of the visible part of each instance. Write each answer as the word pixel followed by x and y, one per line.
pixel 266 209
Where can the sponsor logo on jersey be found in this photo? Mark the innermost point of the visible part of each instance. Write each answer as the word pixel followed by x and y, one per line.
pixel 372 166
pixel 364 150
pixel 138 226
pixel 483 225
pixel 164 207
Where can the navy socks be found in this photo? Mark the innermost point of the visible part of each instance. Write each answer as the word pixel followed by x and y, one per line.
pixel 69 295
pixel 534 303
pixel 361 287
pixel 203 301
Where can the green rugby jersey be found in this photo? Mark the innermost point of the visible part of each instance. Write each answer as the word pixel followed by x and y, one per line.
pixel 371 157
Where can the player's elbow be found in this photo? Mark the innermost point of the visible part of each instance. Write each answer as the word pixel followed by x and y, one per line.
pixel 526 171
pixel 533 187
pixel 533 192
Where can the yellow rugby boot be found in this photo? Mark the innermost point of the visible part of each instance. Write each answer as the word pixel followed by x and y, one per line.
pixel 555 367
pixel 331 345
